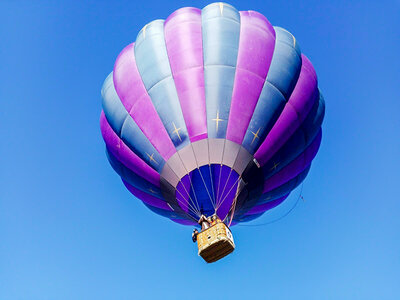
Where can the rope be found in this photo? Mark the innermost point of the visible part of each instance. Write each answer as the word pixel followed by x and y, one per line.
pixel 281 217
pixel 223 190
pixel 234 206
pixel 219 182
pixel 212 188
pixel 205 185
pixel 227 194
pixel 194 210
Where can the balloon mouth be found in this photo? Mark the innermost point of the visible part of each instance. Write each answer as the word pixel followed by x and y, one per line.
pixel 211 176
pixel 208 189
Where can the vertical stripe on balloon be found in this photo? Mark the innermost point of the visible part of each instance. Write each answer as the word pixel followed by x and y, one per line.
pixel 279 84
pixel 296 109
pixel 183 40
pixel 221 31
pixel 154 68
pixel 134 97
pixel 256 46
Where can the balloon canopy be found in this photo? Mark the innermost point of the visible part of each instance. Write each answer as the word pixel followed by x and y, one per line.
pixel 212 110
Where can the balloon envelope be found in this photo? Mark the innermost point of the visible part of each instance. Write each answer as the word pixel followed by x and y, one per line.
pixel 213 110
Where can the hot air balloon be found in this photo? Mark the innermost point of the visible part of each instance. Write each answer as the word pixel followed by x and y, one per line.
pixel 212 112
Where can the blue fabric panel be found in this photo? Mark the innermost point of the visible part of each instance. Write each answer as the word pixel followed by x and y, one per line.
pixel 154 68
pixel 299 141
pixel 126 128
pixel 162 212
pixel 221 31
pixel 132 178
pixel 267 111
pixel 286 63
pixel 281 80
pixel 198 187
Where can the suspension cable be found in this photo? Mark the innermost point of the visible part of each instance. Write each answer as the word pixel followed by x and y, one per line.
pixel 281 217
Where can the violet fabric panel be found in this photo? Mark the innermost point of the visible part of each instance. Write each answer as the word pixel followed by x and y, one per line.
pixel 256 47
pixel 134 97
pixel 295 167
pixel 300 140
pixel 182 194
pixel 125 155
pixel 262 208
pixel 147 198
pixel 279 84
pixel 221 176
pixel 183 39
pixel 153 64
pixel 285 188
pixel 126 128
pixel 131 177
pixel 296 110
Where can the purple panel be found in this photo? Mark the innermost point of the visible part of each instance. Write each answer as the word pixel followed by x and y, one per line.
pixel 147 198
pixel 296 109
pixel 183 39
pixel 184 222
pixel 182 193
pixel 295 167
pixel 266 206
pixel 126 155
pixel 256 46
pixel 134 97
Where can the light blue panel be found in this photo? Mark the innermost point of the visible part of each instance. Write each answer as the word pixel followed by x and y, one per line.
pixel 286 62
pixel 126 128
pixel 221 31
pixel 132 178
pixel 154 68
pixel 113 109
pixel 268 108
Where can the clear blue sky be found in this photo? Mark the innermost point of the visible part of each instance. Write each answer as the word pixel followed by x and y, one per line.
pixel 70 230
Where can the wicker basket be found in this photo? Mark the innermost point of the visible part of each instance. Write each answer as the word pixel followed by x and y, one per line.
pixel 215 242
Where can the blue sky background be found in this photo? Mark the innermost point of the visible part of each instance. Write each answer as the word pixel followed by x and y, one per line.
pixel 70 230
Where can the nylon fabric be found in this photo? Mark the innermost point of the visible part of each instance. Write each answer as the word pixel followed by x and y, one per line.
pixel 262 208
pixel 298 142
pixel 296 110
pixel 130 89
pixel 183 40
pixel 154 68
pixel 147 198
pixel 126 155
pixel 279 84
pixel 211 108
pixel 256 46
pixel 131 177
pixel 294 167
pixel 221 31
